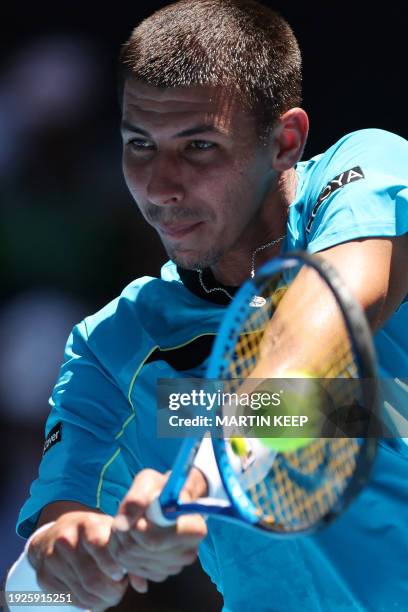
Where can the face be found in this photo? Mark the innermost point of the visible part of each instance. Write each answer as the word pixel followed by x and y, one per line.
pixel 197 170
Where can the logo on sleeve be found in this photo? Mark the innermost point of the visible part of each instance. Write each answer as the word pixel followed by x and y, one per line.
pixel 54 436
pixel 343 179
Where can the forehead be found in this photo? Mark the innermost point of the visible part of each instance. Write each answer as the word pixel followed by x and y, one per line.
pixel 178 105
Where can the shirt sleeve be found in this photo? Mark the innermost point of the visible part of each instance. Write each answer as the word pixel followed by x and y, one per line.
pixel 83 460
pixel 361 190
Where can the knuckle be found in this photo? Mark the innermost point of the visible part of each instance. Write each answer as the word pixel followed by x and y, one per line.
pixel 62 544
pixel 89 520
pixel 94 529
pixel 96 541
pixel 101 523
pixel 139 495
pixel 133 504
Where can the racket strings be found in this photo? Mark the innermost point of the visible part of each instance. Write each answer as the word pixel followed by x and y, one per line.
pixel 242 356
pixel 288 501
pixel 292 496
pixel 328 361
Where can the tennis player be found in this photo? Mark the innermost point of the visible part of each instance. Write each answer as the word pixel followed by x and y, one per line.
pixel 213 134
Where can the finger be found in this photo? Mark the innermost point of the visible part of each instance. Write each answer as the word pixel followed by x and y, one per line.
pixel 95 582
pixel 138 583
pixel 189 530
pixel 94 542
pixel 139 533
pixel 196 486
pixel 191 526
pixel 150 569
pixel 50 583
pixel 165 563
pixel 80 568
pixel 153 565
pixel 144 535
pixel 80 596
pixel 144 489
pixel 126 556
pixel 149 543
pixel 152 574
pixel 131 558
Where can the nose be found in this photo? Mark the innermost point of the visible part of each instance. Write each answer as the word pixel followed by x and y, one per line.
pixel 165 185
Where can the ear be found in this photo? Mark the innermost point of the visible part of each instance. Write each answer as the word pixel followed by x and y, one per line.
pixel 289 139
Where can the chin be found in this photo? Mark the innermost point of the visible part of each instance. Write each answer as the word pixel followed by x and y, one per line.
pixel 186 262
pixel 192 261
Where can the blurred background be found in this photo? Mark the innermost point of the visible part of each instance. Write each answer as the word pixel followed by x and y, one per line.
pixel 70 236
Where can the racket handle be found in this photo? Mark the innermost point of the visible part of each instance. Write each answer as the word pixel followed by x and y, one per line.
pixel 155 515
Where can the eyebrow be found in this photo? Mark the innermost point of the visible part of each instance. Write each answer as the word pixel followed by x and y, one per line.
pixel 198 129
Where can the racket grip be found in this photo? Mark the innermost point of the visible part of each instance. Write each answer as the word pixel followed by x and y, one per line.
pixel 155 515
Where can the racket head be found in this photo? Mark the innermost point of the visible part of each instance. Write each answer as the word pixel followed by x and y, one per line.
pixel 302 490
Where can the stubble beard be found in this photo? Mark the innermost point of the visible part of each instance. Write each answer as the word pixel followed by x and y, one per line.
pixel 194 261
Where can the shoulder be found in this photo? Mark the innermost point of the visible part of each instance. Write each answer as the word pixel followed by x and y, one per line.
pixel 124 329
pixel 364 154
pixel 358 188
pixel 373 136
pixel 117 312
pixel 140 299
pixel 149 313
pixel 372 152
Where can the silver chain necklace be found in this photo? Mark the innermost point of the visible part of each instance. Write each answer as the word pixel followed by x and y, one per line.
pixel 257 301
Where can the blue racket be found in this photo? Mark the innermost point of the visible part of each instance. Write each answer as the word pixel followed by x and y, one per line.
pixel 287 485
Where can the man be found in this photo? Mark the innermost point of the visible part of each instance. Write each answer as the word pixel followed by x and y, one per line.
pixel 212 138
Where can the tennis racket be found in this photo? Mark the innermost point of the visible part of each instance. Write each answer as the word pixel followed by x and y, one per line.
pixel 293 486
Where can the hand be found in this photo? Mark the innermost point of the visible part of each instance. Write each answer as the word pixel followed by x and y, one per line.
pixel 72 556
pixel 149 552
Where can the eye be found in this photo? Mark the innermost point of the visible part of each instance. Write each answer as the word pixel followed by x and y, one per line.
pixel 202 145
pixel 140 144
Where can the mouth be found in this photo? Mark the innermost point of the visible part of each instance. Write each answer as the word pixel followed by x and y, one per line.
pixel 178 231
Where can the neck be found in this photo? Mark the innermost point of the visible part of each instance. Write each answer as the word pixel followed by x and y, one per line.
pixel 235 266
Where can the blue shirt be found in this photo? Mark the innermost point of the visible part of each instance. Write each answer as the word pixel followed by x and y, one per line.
pixel 102 426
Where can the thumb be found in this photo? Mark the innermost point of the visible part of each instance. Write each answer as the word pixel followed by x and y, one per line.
pixel 145 487
pixel 196 486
